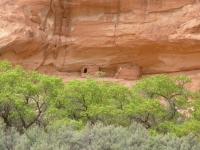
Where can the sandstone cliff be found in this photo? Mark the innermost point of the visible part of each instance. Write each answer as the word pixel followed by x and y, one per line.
pixel 158 35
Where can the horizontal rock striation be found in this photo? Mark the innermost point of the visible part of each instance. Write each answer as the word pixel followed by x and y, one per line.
pixel 158 35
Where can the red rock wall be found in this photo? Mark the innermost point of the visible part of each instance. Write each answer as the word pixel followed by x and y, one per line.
pixel 158 35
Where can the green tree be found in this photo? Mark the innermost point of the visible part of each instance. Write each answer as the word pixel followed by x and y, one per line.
pixel 24 95
pixel 158 99
pixel 90 100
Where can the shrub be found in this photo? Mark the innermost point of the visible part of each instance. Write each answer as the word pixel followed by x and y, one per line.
pixel 93 137
pixel 100 74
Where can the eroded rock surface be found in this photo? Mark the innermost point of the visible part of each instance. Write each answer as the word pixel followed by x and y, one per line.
pixel 159 35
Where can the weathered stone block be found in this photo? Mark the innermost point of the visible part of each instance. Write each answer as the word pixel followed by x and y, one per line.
pixel 128 71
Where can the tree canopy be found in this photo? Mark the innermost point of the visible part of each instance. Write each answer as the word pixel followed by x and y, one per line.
pixel 29 99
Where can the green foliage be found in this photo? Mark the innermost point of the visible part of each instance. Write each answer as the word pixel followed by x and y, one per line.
pixel 24 95
pixel 90 101
pixel 97 137
pixel 29 100
pixel 159 99
pixel 187 127
pixel 195 106
pixel 145 111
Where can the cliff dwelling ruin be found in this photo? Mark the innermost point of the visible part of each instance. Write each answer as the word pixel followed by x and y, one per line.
pixel 89 71
pixel 128 71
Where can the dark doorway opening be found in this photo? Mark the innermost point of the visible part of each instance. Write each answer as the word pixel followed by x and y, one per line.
pixel 85 70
